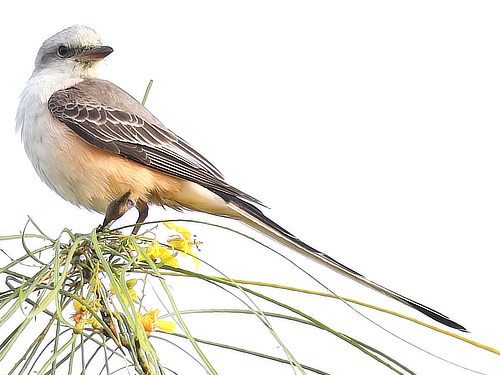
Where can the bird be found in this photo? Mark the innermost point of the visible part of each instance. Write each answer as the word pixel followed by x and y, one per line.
pixel 99 148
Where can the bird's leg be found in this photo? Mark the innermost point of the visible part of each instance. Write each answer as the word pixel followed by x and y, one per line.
pixel 117 208
pixel 142 206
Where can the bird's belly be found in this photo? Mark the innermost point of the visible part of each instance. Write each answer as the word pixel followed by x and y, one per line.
pixel 86 175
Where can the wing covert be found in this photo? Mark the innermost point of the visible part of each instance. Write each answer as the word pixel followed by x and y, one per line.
pixel 130 135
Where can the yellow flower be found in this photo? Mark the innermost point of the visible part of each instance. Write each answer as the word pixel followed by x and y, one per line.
pixel 150 322
pixel 81 312
pixel 183 243
pixel 155 250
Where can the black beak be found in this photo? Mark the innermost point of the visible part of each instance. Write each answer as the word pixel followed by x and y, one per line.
pixel 94 53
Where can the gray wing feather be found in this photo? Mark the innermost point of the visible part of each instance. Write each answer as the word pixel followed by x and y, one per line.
pixel 109 118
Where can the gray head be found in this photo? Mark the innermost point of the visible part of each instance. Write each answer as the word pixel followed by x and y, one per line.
pixel 74 52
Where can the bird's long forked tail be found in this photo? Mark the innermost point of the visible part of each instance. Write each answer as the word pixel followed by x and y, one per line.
pixel 253 217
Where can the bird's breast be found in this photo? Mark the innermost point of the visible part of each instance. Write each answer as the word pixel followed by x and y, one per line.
pixel 86 175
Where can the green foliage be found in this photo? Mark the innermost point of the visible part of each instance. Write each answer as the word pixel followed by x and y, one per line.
pixel 79 304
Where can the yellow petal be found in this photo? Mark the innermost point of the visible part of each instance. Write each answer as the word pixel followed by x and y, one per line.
pixel 153 249
pixel 96 324
pixel 165 326
pixel 193 256
pixel 196 263
pixel 90 320
pixel 153 313
pixel 170 261
pixel 147 323
pixel 171 225
pixel 133 294
pixel 185 233
pixel 78 306
pixel 178 244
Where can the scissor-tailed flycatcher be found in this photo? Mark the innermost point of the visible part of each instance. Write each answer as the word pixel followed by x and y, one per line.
pixel 99 148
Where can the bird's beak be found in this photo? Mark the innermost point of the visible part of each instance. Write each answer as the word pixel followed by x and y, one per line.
pixel 93 54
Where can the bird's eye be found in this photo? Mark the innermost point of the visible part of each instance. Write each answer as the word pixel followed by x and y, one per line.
pixel 63 51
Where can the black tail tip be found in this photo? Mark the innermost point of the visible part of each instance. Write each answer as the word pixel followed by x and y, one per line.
pixel 438 317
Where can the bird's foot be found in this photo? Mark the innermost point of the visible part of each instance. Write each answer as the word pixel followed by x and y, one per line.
pixel 116 209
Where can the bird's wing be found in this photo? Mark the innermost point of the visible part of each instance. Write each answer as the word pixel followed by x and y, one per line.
pixel 117 123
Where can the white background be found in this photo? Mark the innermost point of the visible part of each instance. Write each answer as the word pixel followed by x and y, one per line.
pixel 370 128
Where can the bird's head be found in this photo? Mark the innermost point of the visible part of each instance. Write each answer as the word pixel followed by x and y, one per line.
pixel 75 52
